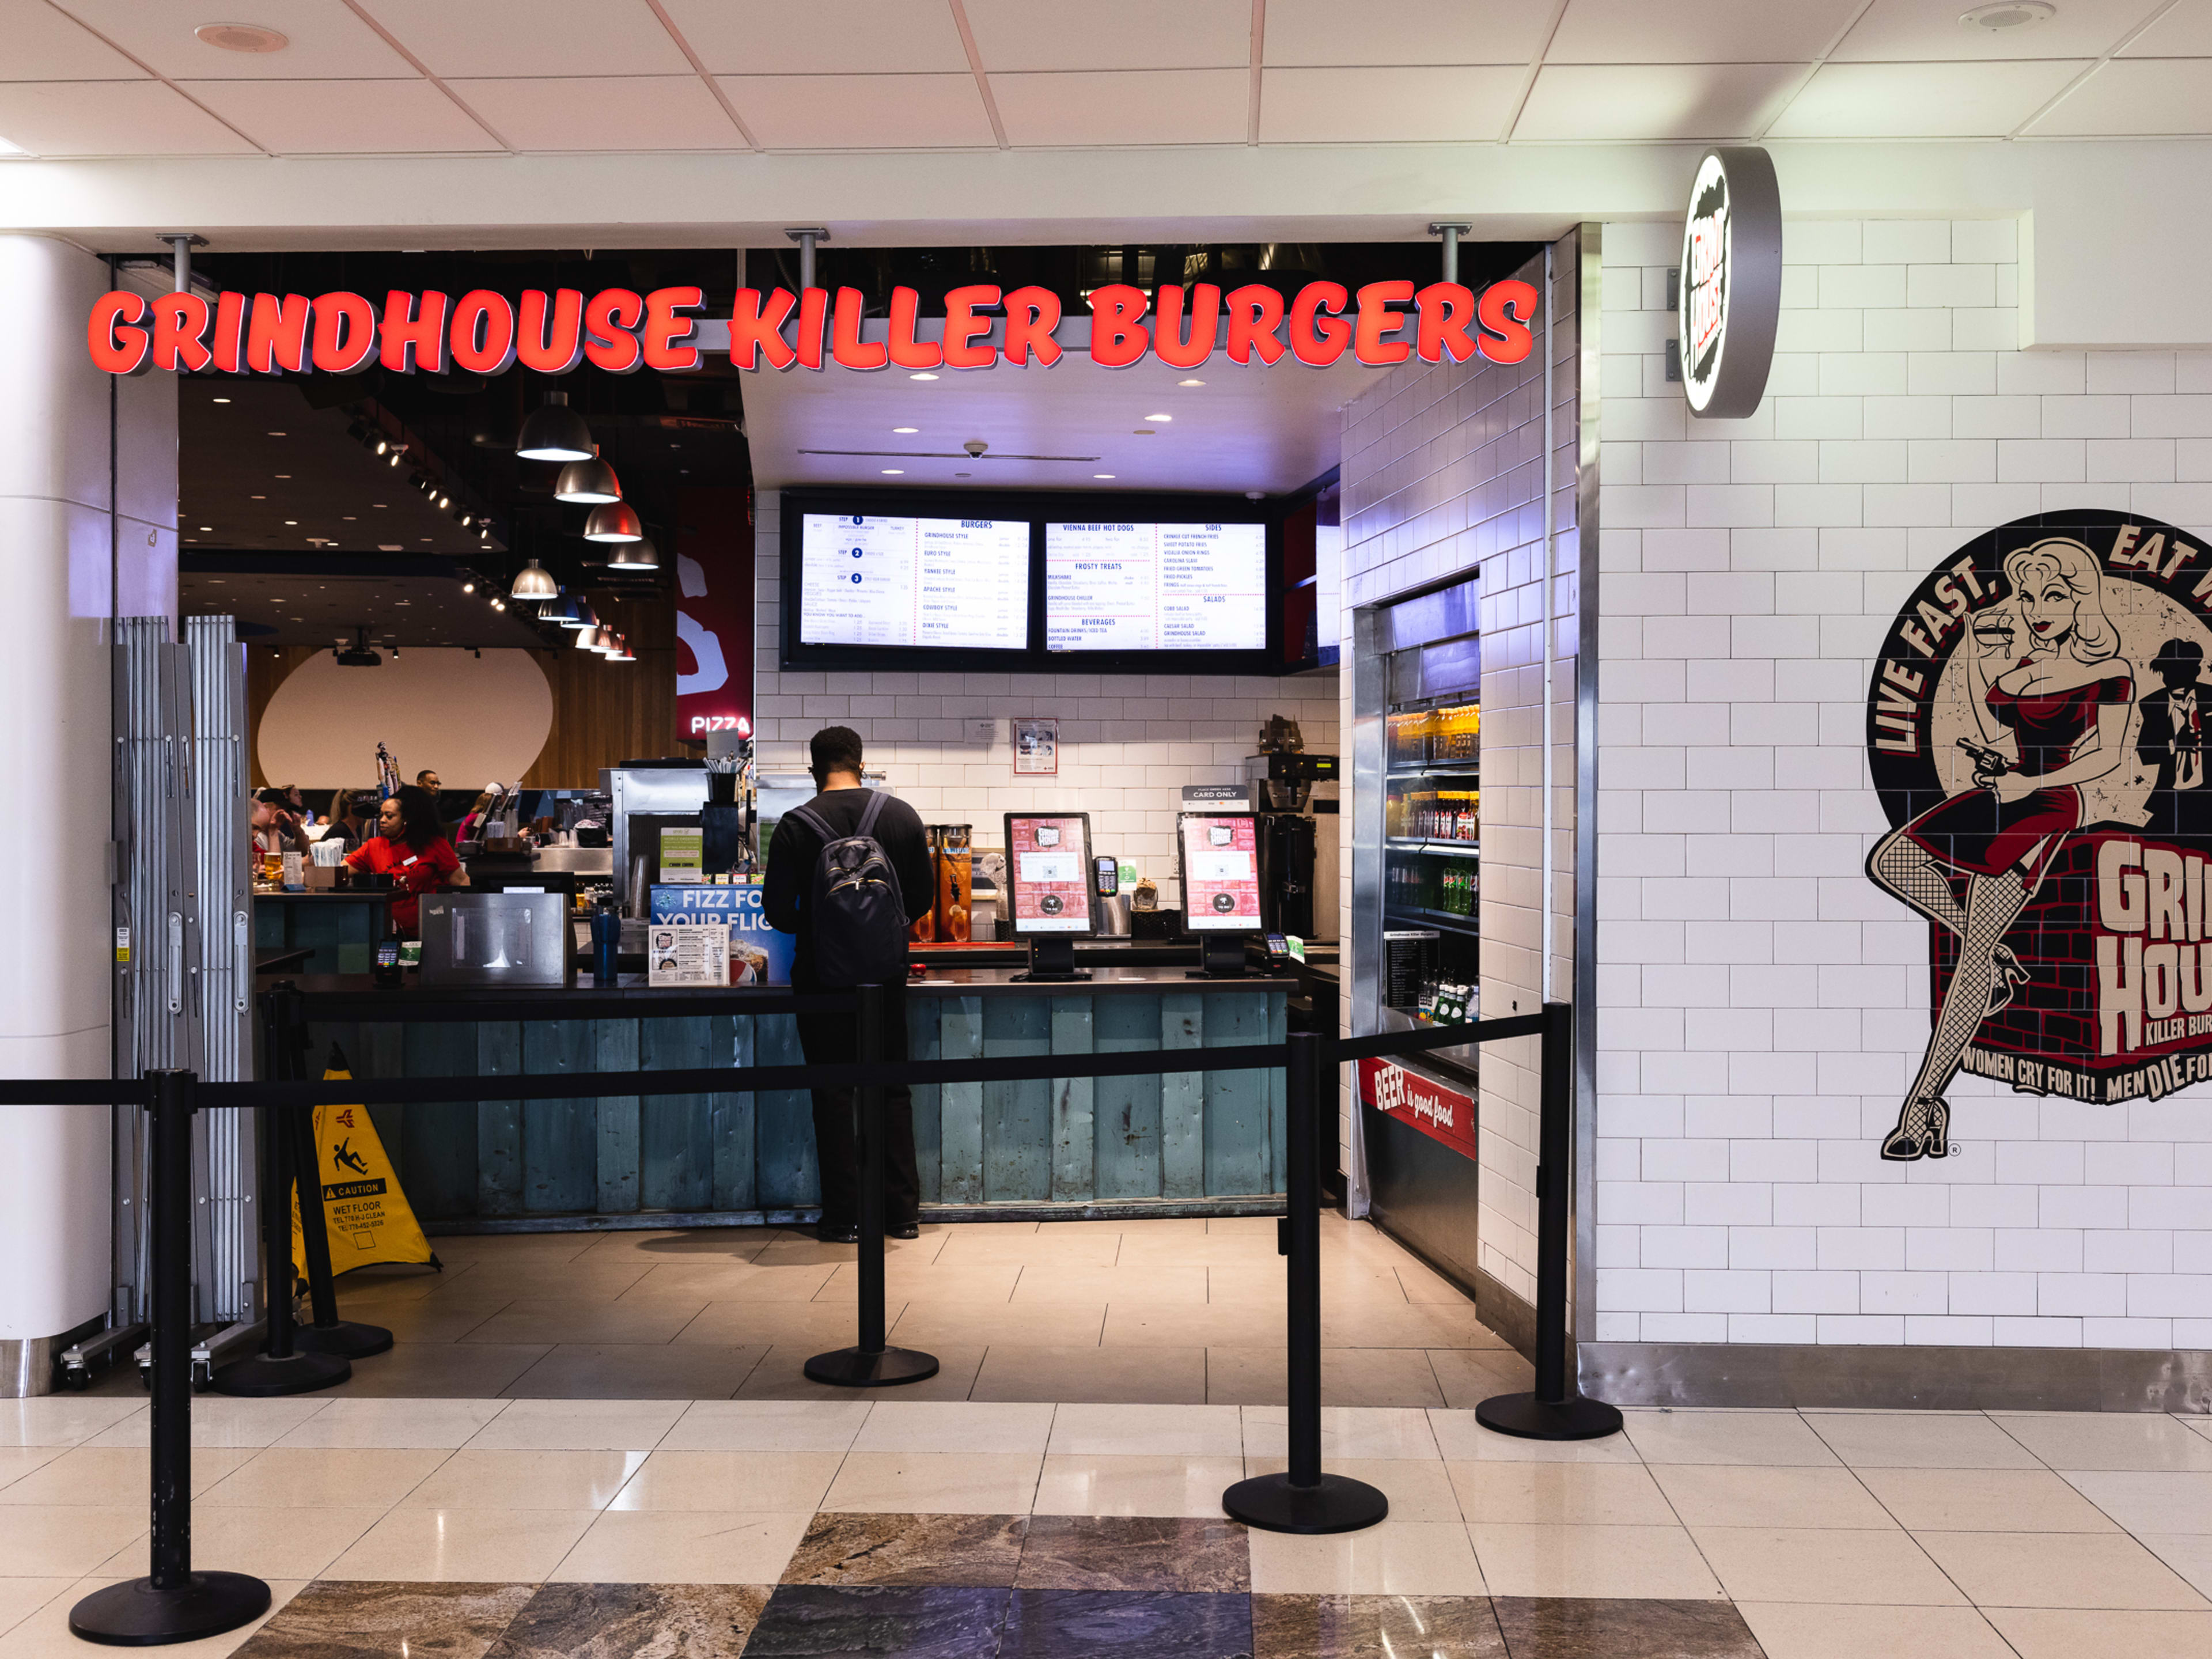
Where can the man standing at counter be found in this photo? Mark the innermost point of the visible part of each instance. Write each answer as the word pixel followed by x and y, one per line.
pixel 830 1038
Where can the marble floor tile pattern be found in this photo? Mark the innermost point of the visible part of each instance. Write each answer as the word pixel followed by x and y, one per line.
pixel 601 1445
pixel 517 1528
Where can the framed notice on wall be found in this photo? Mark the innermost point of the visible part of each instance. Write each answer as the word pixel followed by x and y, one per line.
pixel 1036 747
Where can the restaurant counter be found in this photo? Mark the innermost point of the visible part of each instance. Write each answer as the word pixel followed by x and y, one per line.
pixel 1195 1142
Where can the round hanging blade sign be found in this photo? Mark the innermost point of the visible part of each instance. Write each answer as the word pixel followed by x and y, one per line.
pixel 1731 285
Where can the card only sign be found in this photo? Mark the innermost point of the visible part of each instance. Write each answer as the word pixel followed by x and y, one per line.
pixel 1443 1115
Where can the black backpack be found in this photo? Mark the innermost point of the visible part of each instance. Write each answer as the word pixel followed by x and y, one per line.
pixel 856 914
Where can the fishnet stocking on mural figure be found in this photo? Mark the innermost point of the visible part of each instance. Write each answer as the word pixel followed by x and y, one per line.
pixel 1979 983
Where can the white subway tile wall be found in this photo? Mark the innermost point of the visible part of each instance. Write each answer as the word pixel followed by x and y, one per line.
pixel 1442 476
pixel 1761 1005
pixel 1128 742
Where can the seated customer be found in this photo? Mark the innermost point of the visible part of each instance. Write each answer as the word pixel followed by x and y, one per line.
pixel 276 826
pixel 410 847
pixel 352 810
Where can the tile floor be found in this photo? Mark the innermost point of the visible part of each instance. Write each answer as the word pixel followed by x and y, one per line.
pixel 602 1446
pixel 1143 1312
pixel 499 1529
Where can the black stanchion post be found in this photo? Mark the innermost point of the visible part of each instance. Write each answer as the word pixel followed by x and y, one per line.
pixel 1557 1410
pixel 1304 1499
pixel 325 1332
pixel 172 1603
pixel 283 1365
pixel 870 1363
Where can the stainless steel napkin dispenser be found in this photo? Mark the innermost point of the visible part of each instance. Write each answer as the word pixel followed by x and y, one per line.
pixel 497 938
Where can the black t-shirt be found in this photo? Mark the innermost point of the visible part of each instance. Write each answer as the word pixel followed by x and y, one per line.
pixel 796 848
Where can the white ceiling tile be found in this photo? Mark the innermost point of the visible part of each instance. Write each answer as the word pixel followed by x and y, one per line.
pixel 1387 105
pixel 2136 97
pixel 344 118
pixel 1921 31
pixel 1619 102
pixel 1072 35
pixel 531 37
pixel 326 40
pixel 1697 31
pixel 2185 32
pixel 862 112
pixel 1133 107
pixel 1921 101
pixel 1326 33
pixel 110 118
pixel 603 112
pixel 43 45
pixel 821 36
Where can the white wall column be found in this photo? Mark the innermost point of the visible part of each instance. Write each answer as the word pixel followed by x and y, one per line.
pixel 67 542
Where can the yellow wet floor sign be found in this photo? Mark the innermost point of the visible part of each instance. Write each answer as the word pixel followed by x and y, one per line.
pixel 369 1215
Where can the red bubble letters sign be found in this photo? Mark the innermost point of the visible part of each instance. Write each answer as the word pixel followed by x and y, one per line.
pixel 621 332
pixel 1443 1115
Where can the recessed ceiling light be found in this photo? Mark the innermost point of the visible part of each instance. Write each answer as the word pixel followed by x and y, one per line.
pixel 924 375
pixel 348 517
pixel 894 472
pixel 1102 475
pixel 242 36
pixel 1162 419
pixel 220 400
pixel 207 527
pixel 1142 432
pixel 1190 383
pixel 376 503
pixel 906 428
pixel 2008 14
pixel 291 521
pixel 279 435
pixel 281 475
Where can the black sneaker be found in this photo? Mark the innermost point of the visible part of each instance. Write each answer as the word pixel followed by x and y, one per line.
pixel 827 1234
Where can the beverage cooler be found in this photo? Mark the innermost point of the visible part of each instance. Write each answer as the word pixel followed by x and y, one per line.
pixel 1416 918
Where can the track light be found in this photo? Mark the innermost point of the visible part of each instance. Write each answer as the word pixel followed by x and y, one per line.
pixel 555 432
pixel 498 604
pixel 534 581
pixel 613 521
pixel 640 555
pixel 468 587
pixel 587 483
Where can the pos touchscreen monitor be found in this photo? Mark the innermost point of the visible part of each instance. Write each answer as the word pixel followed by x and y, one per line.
pixel 1217 863
pixel 1049 889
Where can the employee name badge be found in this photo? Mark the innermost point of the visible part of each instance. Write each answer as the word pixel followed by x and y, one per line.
pixel 696 954
pixel 758 954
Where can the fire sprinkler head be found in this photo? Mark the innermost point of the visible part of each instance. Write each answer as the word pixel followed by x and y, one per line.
pixel 975 446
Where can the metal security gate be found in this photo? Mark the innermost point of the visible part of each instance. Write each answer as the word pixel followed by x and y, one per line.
pixel 183 920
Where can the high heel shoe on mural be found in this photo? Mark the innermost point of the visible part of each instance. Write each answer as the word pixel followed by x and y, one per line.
pixel 1922 1131
pixel 2007 977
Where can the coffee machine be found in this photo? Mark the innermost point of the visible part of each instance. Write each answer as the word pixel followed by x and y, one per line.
pixel 1294 795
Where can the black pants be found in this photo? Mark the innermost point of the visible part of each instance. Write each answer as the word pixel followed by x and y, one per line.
pixel 832 1039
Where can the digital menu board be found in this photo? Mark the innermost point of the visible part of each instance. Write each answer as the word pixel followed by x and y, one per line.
pixel 1048 868
pixel 952 583
pixel 1155 586
pixel 1220 862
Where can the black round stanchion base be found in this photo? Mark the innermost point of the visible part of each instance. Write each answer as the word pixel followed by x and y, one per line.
pixel 854 1368
pixel 261 1378
pixel 136 1614
pixel 347 1339
pixel 1576 1417
pixel 1271 1504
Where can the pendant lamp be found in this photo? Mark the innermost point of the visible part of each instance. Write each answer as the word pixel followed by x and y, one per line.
pixel 555 432
pixel 587 483
pixel 613 521
pixel 640 555
pixel 587 639
pixel 534 581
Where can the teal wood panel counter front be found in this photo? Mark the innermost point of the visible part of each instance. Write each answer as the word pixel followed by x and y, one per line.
pixel 1191 1141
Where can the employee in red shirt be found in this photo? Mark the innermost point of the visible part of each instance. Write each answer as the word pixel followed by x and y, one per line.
pixel 410 847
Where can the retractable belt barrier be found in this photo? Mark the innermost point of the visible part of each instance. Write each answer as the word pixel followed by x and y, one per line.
pixel 175 1603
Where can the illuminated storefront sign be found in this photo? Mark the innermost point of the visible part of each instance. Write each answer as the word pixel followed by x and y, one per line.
pixel 620 331
pixel 1731 286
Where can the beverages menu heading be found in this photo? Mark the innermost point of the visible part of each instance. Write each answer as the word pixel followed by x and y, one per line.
pixel 1155 587
pixel 952 583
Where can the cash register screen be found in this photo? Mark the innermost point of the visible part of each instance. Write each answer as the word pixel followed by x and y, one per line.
pixel 1048 868
pixel 1220 859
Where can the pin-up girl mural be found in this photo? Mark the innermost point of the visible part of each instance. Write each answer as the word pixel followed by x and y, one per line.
pixel 2051 697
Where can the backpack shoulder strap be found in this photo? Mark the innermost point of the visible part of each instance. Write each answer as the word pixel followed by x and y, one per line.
pixel 814 821
pixel 870 812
